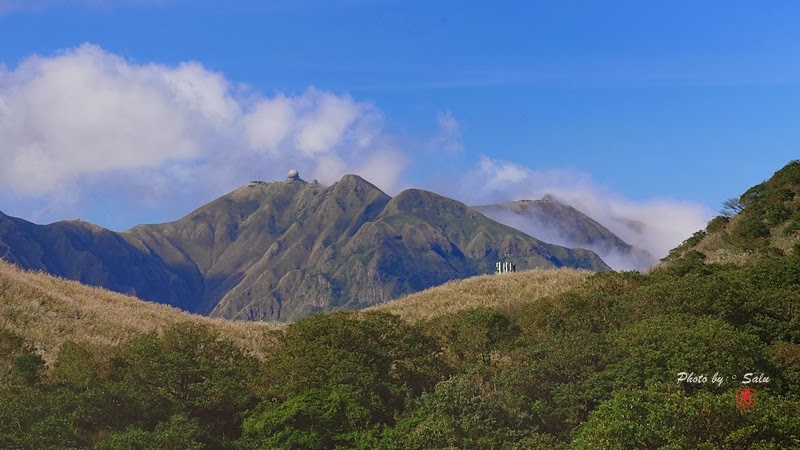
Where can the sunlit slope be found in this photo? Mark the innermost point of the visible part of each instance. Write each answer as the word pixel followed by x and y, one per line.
pixel 764 222
pixel 504 292
pixel 47 311
pixel 281 251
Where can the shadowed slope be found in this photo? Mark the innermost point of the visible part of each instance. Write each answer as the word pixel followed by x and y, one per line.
pixel 94 255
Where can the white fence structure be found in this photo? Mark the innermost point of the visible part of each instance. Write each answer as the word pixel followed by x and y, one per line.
pixel 505 267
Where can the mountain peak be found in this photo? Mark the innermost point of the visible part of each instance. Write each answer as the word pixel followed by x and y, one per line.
pixel 351 177
pixel 431 203
pixel 352 181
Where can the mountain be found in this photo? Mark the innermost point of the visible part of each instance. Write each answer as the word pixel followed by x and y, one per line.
pixel 95 256
pixel 560 224
pixel 283 250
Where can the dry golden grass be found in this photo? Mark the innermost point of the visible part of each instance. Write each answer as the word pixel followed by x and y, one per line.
pixel 47 311
pixel 785 242
pixel 719 251
pixel 504 292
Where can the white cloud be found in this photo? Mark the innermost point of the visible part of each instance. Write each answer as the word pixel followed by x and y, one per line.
pixel 269 123
pixel 87 118
pixel 328 118
pixel 200 90
pixel 87 111
pixel 656 225
pixel 384 167
pixel 447 138
pixel 498 174
pixel 329 168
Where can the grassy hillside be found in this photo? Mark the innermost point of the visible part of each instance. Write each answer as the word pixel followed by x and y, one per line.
pixel 47 311
pixel 762 222
pixel 504 292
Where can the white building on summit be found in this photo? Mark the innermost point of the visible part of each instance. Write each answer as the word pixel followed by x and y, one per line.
pixel 293 175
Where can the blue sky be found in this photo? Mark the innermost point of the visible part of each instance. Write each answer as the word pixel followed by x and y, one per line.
pixel 645 108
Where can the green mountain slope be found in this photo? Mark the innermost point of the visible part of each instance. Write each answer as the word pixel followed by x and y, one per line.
pixel 763 222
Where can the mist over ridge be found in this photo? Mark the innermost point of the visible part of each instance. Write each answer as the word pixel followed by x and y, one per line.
pixel 556 223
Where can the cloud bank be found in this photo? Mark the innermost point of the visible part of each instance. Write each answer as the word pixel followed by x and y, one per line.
pixel 89 117
pixel 656 225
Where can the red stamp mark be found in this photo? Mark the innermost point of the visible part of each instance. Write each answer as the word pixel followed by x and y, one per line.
pixel 745 398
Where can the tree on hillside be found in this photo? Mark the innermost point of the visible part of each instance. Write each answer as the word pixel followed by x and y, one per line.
pixel 731 207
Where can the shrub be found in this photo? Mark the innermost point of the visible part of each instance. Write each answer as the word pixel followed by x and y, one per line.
pixel 336 378
pixel 467 411
pixel 190 370
pixel 717 224
pixel 27 368
pixel 471 338
pixel 662 417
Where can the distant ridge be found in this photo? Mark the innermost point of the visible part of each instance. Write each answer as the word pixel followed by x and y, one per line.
pixel 554 222
pixel 283 250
